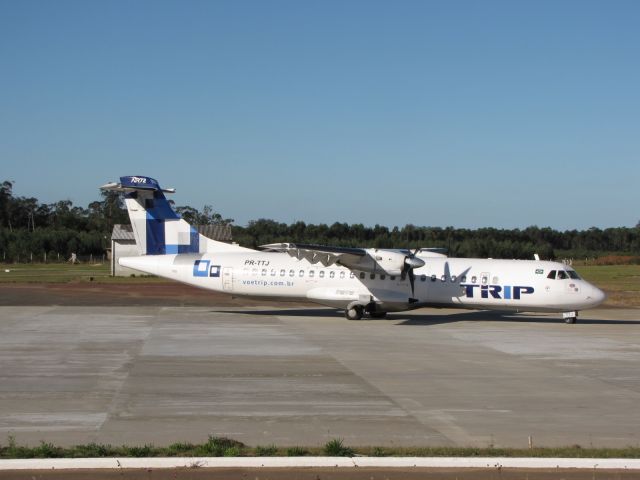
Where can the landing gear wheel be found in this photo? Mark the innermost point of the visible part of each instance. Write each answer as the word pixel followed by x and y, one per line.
pixel 378 314
pixel 354 313
pixel 569 320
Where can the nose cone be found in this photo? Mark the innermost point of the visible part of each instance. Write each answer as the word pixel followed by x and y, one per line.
pixel 595 296
pixel 414 262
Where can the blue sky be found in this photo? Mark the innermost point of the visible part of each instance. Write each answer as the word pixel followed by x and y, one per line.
pixel 462 113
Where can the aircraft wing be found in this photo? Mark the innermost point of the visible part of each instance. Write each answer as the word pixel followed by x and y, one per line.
pixel 325 255
pixel 374 260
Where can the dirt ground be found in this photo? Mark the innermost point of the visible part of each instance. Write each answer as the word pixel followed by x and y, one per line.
pixel 322 474
pixel 121 294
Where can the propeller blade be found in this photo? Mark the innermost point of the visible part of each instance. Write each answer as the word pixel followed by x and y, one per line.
pixel 412 280
pixel 411 262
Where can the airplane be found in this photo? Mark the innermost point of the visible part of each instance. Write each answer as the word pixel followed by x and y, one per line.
pixel 360 281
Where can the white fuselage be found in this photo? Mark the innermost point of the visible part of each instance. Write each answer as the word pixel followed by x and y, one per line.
pixel 508 285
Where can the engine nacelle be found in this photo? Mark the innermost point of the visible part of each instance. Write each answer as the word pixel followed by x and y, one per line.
pixel 387 261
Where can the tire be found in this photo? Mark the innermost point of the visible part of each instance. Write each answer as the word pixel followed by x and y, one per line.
pixel 354 313
pixel 570 320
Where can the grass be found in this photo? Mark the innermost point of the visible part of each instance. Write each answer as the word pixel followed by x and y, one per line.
pixel 337 448
pixel 620 282
pixel 296 452
pixel 65 273
pixel 222 446
pixel 268 451
pixel 50 272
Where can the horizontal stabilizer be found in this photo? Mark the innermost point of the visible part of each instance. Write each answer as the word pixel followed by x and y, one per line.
pixel 136 182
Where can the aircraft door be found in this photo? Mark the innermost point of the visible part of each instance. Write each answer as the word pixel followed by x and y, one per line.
pixel 227 278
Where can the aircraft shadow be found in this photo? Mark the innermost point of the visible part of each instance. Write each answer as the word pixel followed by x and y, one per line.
pixel 416 319
pixel 287 312
pixel 506 317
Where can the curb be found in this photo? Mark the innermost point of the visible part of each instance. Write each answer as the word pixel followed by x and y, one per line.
pixel 302 462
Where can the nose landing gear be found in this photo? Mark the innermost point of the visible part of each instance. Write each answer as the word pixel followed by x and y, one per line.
pixel 570 317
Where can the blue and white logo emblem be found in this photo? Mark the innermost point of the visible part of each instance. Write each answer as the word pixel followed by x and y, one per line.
pixel 203 268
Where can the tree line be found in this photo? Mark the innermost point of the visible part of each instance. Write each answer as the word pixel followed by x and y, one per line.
pixel 459 242
pixel 29 229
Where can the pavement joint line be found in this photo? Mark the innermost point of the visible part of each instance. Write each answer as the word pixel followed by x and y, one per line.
pixel 302 462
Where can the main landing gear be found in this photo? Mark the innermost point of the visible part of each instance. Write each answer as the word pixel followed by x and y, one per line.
pixel 356 312
pixel 570 317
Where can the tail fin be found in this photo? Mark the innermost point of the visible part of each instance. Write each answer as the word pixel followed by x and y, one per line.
pixel 157 228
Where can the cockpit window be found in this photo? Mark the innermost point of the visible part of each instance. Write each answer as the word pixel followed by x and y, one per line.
pixel 573 274
pixel 563 274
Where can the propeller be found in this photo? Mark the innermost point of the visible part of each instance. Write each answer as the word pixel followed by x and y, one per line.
pixel 411 262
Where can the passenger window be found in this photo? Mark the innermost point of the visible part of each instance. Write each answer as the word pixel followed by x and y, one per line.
pixel 352 275
pixel 264 272
pixel 463 279
pixel 453 278
pixel 254 272
pixel 282 272
pixel 332 274
pixel 474 279
pixel 301 273
pixel 311 273
pixel 552 275
pixel 433 278
pixel 362 275
pixel 443 278
pixel 392 277
pixel 562 275
pixel 342 275
pixel 321 274
pixel 372 276
pixel 423 278
pixel 484 280
pixel 273 272
pixel 292 273
pixel 495 280
pixel 382 277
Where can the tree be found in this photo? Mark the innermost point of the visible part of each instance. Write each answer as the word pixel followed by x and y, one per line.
pixel 207 217
pixel 6 198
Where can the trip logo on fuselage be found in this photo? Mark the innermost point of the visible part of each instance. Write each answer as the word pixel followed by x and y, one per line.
pixel 500 292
